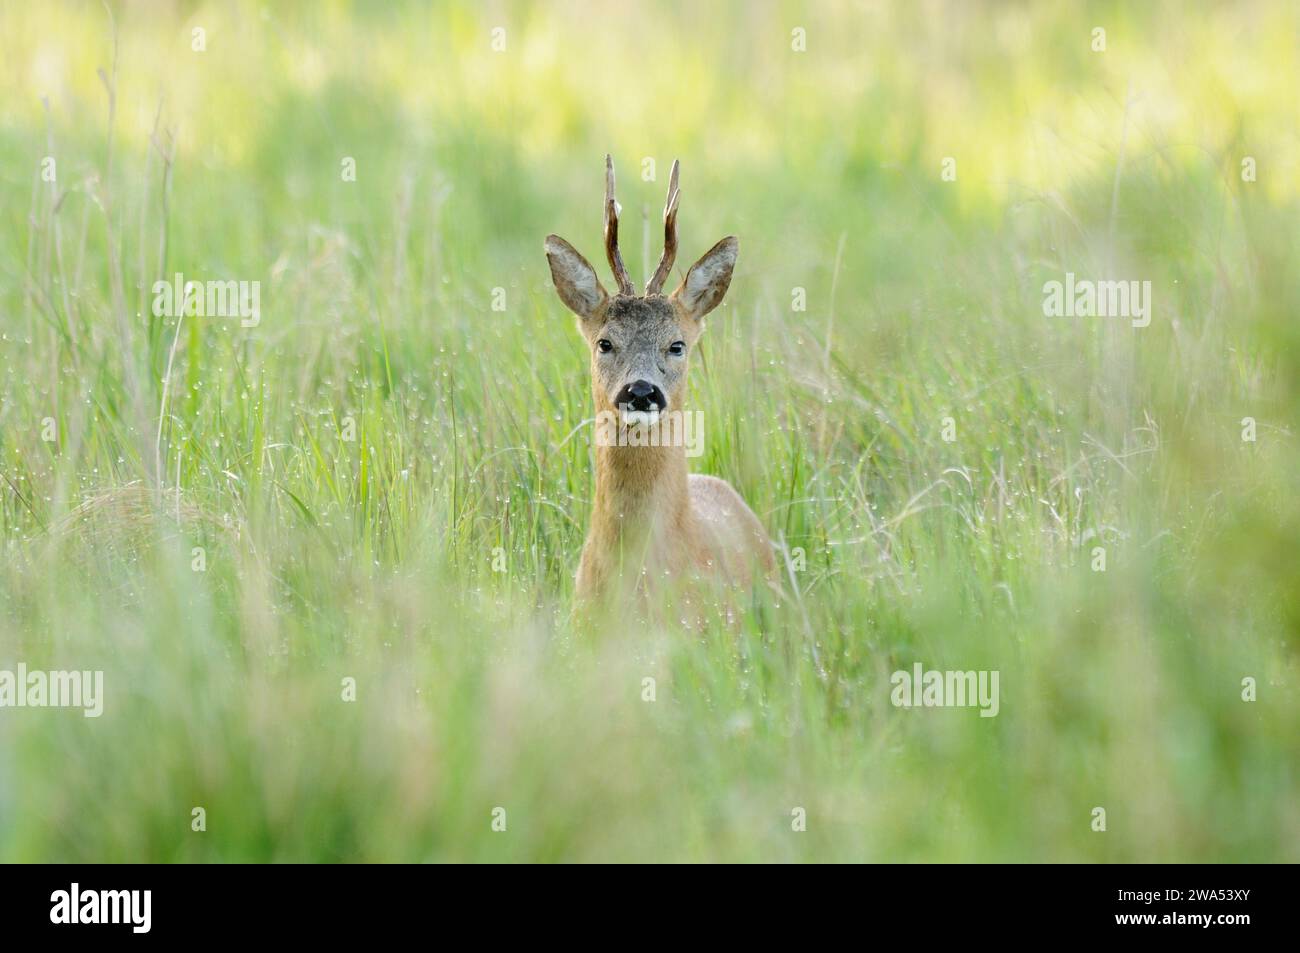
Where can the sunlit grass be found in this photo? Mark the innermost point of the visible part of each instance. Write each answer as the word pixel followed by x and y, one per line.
pixel 372 558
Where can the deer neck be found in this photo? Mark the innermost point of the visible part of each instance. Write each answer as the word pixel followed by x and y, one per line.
pixel 641 494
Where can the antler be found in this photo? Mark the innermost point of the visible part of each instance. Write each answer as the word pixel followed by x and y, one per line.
pixel 656 283
pixel 611 233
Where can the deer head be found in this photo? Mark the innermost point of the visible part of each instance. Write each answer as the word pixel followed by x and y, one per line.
pixel 640 344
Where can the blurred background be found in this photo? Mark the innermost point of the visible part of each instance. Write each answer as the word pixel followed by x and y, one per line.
pixel 387 479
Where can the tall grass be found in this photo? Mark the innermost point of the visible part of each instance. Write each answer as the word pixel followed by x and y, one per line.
pixel 325 558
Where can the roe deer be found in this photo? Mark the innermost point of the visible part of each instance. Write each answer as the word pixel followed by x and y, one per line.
pixel 649 517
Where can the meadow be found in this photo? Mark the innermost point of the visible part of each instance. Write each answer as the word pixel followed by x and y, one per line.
pixel 325 559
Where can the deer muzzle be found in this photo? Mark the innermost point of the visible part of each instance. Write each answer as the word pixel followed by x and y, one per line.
pixel 641 402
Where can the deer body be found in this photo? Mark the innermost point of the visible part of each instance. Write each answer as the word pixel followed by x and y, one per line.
pixel 651 519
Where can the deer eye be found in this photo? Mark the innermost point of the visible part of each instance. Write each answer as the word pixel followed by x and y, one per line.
pixel 605 345
pixel 677 347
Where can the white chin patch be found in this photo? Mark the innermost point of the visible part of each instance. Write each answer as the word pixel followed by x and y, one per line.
pixel 640 418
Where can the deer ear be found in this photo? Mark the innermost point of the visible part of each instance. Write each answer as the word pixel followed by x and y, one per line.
pixel 704 285
pixel 574 278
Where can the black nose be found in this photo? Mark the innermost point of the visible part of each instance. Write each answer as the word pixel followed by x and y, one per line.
pixel 641 395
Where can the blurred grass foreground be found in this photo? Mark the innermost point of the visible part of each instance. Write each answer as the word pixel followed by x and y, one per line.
pixel 324 558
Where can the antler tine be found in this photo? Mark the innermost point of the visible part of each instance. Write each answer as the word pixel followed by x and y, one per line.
pixel 656 283
pixel 611 233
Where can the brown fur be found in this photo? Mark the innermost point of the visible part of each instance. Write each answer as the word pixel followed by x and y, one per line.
pixel 652 520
